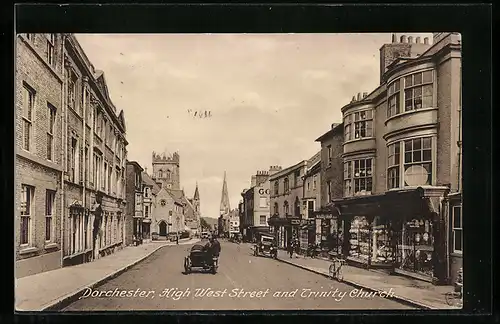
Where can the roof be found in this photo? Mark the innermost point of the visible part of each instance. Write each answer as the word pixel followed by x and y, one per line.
pixel 196 193
pixel 287 170
pixel 146 179
pixel 335 128
pixel 136 164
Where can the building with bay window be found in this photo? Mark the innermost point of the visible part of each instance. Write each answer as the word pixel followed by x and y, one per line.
pixel 311 201
pixel 401 205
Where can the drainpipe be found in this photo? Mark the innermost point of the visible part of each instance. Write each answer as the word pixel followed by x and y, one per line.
pixel 64 140
pixel 84 164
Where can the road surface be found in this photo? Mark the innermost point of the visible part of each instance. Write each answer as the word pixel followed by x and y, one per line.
pixel 243 282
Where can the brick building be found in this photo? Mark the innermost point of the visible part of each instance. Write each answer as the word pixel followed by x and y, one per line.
pixel 71 149
pixel 311 201
pixel 95 153
pixel 135 204
pixel 39 156
pixel 402 162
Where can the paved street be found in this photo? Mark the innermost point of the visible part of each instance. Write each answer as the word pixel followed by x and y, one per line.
pixel 239 272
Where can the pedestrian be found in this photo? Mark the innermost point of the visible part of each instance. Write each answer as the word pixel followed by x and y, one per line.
pixel 290 247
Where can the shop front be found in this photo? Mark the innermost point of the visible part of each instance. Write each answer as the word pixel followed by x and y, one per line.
pixel 285 229
pixel 328 231
pixel 402 231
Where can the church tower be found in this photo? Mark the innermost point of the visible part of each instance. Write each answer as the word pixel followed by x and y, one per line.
pixel 224 201
pixel 196 200
pixel 166 170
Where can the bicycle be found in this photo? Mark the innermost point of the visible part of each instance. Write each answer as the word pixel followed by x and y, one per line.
pixel 335 269
pixel 455 298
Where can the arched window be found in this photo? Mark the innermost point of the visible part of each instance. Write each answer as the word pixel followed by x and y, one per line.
pixel 168 174
pixel 275 208
pixel 276 187
pixel 285 208
pixel 297 206
pixel 160 174
pixel 286 185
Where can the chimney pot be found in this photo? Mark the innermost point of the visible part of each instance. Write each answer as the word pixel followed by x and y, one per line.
pixel 359 96
pixel 394 38
pixel 403 38
pixel 426 40
pixel 365 94
pixel 417 40
pixel 410 39
pixel 353 99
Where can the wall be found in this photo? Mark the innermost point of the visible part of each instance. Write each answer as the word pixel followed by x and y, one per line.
pixel 333 171
pixel 261 203
pixel 33 168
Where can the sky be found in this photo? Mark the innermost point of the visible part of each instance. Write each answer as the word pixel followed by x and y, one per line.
pixel 263 98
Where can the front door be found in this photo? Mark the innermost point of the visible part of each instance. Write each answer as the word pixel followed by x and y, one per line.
pixel 163 228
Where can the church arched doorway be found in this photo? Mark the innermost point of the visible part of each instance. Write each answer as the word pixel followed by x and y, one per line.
pixel 163 228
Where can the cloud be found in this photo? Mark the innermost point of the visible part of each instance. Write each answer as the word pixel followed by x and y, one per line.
pixel 316 74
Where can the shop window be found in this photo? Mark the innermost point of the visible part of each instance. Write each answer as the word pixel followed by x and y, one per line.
pixel 360 239
pixel 457 229
pixel 263 220
pixel 415 246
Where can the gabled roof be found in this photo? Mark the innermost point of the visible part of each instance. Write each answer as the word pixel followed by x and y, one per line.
pixel 335 127
pixel 101 82
pixel 146 179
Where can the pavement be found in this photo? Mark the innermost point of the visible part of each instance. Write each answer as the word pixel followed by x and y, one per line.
pixel 415 292
pixel 243 282
pixel 151 277
pixel 52 289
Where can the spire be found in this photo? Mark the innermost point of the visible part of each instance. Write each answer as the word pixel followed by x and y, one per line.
pixel 196 192
pixel 224 201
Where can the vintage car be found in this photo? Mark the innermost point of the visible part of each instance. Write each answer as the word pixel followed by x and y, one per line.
pixel 266 247
pixel 200 258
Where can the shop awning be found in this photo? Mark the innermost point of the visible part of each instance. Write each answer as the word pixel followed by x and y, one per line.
pixel 421 202
pixel 282 221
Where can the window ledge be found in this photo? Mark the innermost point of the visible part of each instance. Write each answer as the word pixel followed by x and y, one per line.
pixel 457 254
pixel 359 139
pixel 408 113
pixel 28 250
pixel 50 246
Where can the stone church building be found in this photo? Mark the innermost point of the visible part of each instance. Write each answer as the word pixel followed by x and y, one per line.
pixel 174 211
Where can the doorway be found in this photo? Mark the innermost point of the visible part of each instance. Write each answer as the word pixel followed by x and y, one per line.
pixel 163 228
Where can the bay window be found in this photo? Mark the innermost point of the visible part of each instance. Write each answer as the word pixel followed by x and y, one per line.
pixel 414 166
pixel 358 176
pixel 358 125
pixel 393 99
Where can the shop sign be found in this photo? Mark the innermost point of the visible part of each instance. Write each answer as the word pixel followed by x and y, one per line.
pixel 295 221
pixel 264 191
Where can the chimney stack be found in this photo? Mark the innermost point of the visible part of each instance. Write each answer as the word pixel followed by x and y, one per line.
pixel 253 181
pixel 417 40
pixel 394 38
pixel 353 99
pixel 403 38
pixel 359 96
pixel 426 40
pixel 365 94
pixel 410 39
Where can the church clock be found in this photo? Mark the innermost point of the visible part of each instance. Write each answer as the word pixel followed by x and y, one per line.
pixel 163 202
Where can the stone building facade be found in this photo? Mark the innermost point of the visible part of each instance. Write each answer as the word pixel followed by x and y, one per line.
pixel 311 201
pixel 95 156
pixel 402 162
pixel 39 122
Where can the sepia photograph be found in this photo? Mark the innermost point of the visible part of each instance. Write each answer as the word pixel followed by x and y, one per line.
pixel 234 171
